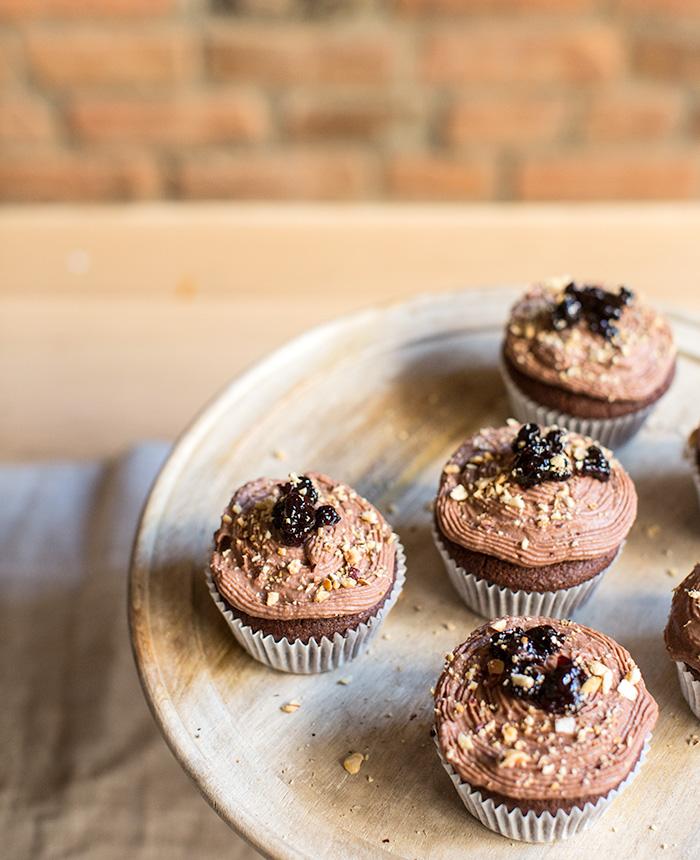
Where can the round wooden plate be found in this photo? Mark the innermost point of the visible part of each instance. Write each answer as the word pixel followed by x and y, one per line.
pixel 380 400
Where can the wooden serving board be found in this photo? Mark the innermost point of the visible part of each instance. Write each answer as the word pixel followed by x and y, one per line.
pixel 380 400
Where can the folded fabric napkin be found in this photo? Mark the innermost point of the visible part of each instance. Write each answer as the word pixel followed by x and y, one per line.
pixel 84 770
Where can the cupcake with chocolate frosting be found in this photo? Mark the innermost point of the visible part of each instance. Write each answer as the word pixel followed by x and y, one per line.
pixel 693 454
pixel 529 518
pixel 540 723
pixel 590 359
pixel 682 637
pixel 304 571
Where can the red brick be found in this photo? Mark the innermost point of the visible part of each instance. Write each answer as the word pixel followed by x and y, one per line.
pixel 522 54
pixel 466 7
pixel 505 119
pixel 640 113
pixel 625 175
pixel 281 175
pixel 84 57
pixel 333 117
pixel 661 7
pixel 308 54
pixel 24 119
pixel 77 177
pixel 669 57
pixel 430 177
pixel 9 61
pixel 19 9
pixel 206 118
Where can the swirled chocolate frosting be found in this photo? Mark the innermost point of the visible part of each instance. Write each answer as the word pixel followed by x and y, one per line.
pixel 509 746
pixel 339 569
pixel 682 632
pixel 631 366
pixel 481 507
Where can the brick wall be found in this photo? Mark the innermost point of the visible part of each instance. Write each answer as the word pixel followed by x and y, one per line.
pixel 349 99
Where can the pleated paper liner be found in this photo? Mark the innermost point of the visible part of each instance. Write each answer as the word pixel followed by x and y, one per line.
pixel 306 658
pixel 690 688
pixel 491 600
pixel 532 826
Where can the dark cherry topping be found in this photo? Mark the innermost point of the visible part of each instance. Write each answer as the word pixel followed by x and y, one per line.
pixel 524 654
pixel 326 515
pixel 304 486
pixel 543 458
pixel 595 464
pixel 561 689
pixel 539 459
pixel 294 516
pixel 545 639
pixel 597 307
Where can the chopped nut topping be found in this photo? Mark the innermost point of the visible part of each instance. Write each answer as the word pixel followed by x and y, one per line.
pixel 591 685
pixel 290 707
pixel 465 742
pixel 272 598
pixel 353 763
pixel 565 726
pixel 499 626
pixel 458 493
pixel 368 517
pixel 525 681
pixel 514 758
pixel 510 733
pixel 452 469
pixel 634 676
pixel 628 690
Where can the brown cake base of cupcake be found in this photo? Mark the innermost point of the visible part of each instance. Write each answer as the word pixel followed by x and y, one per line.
pixel 551 577
pixel 578 404
pixel 304 629
pixel 693 672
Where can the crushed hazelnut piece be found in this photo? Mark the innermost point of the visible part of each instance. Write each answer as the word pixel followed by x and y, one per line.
pixel 290 707
pixel 591 685
pixel 465 742
pixel 628 690
pixel 452 469
pixel 458 493
pixel 353 763
pixel 513 758
pixel 272 598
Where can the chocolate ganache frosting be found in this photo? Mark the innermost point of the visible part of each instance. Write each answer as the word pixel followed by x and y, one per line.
pixel 560 712
pixel 341 565
pixel 482 507
pixel 682 632
pixel 631 363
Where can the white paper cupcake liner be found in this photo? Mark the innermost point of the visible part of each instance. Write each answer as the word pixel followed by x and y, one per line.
pixel 610 432
pixel 306 658
pixel 532 826
pixel 492 601
pixel 689 687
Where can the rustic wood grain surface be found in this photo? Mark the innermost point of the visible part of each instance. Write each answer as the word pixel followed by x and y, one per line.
pixel 380 401
pixel 118 323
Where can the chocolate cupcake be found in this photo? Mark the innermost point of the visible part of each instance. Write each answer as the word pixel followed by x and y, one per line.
pixel 694 457
pixel 540 723
pixel 585 358
pixel 304 571
pixel 682 637
pixel 529 518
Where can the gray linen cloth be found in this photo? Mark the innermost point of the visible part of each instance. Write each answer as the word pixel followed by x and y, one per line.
pixel 84 771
